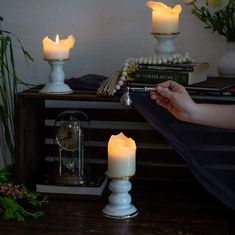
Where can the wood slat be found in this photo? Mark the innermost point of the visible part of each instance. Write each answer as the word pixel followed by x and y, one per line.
pixel 154 155
pixel 93 134
pixel 99 113
pixel 152 172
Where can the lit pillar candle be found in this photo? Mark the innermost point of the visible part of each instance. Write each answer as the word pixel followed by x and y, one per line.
pixel 121 156
pixel 165 20
pixel 58 49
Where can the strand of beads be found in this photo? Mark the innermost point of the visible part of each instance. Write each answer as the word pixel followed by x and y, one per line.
pixel 173 59
pixel 122 78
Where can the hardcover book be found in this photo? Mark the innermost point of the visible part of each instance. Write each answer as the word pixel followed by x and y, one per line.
pixel 176 67
pixel 213 86
pixel 95 188
pixel 152 76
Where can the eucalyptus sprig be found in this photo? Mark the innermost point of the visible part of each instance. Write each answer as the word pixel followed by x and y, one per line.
pixel 10 209
pixel 6 174
pixel 218 15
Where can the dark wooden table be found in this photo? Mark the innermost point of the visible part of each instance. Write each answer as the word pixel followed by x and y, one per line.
pixel 164 208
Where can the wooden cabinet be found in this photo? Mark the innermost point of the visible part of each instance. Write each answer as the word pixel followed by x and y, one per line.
pixel 35 135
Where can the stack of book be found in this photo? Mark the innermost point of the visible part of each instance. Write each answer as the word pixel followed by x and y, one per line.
pixel 213 86
pixel 149 75
pixel 95 186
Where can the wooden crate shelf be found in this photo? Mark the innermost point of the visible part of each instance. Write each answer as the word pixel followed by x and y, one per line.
pixel 35 135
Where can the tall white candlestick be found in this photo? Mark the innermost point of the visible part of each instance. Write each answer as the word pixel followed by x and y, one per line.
pixel 121 156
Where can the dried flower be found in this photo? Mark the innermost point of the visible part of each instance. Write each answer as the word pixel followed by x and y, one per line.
pixel 15 191
pixel 218 15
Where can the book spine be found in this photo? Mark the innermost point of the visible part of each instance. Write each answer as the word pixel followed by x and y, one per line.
pixel 139 84
pixel 166 67
pixel 210 93
pixel 151 77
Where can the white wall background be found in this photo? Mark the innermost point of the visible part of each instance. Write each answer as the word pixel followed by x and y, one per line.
pixel 106 31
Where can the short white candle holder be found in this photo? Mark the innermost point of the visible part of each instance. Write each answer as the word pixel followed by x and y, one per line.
pixel 56 83
pixel 119 206
pixel 166 44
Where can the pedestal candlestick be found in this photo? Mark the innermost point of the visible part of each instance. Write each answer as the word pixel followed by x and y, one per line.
pixel 165 45
pixel 119 206
pixel 56 83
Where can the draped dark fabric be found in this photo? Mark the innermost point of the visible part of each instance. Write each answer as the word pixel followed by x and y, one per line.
pixel 88 82
pixel 209 152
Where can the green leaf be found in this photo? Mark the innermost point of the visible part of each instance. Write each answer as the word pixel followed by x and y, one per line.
pixel 34 198
pixel 221 21
pixel 14 211
pixel 9 82
pixel 6 174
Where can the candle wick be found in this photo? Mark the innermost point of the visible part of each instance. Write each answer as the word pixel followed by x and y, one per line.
pixel 57 39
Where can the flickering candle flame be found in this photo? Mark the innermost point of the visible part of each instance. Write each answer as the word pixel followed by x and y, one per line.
pixel 58 49
pixel 121 156
pixel 165 20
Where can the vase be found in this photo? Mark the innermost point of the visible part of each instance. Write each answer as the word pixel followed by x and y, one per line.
pixel 226 65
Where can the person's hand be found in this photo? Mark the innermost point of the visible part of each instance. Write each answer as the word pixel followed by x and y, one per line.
pixel 175 99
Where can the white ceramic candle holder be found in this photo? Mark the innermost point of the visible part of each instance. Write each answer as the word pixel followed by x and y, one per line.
pixel 165 45
pixel 119 206
pixel 56 83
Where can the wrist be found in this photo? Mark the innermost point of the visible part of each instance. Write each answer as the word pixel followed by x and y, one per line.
pixel 195 113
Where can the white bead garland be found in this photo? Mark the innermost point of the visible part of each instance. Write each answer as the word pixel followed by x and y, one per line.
pixel 173 59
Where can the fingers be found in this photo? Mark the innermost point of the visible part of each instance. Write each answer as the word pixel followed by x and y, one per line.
pixel 163 94
pixel 163 90
pixel 171 85
pixel 160 94
pixel 165 103
pixel 160 100
pixel 165 84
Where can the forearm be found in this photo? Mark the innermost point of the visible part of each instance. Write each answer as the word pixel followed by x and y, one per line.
pixel 174 97
pixel 214 115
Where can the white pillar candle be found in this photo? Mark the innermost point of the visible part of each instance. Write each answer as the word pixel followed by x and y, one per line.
pixel 165 20
pixel 58 49
pixel 121 156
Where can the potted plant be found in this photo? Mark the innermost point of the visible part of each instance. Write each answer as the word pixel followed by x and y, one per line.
pixel 219 16
pixel 11 194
